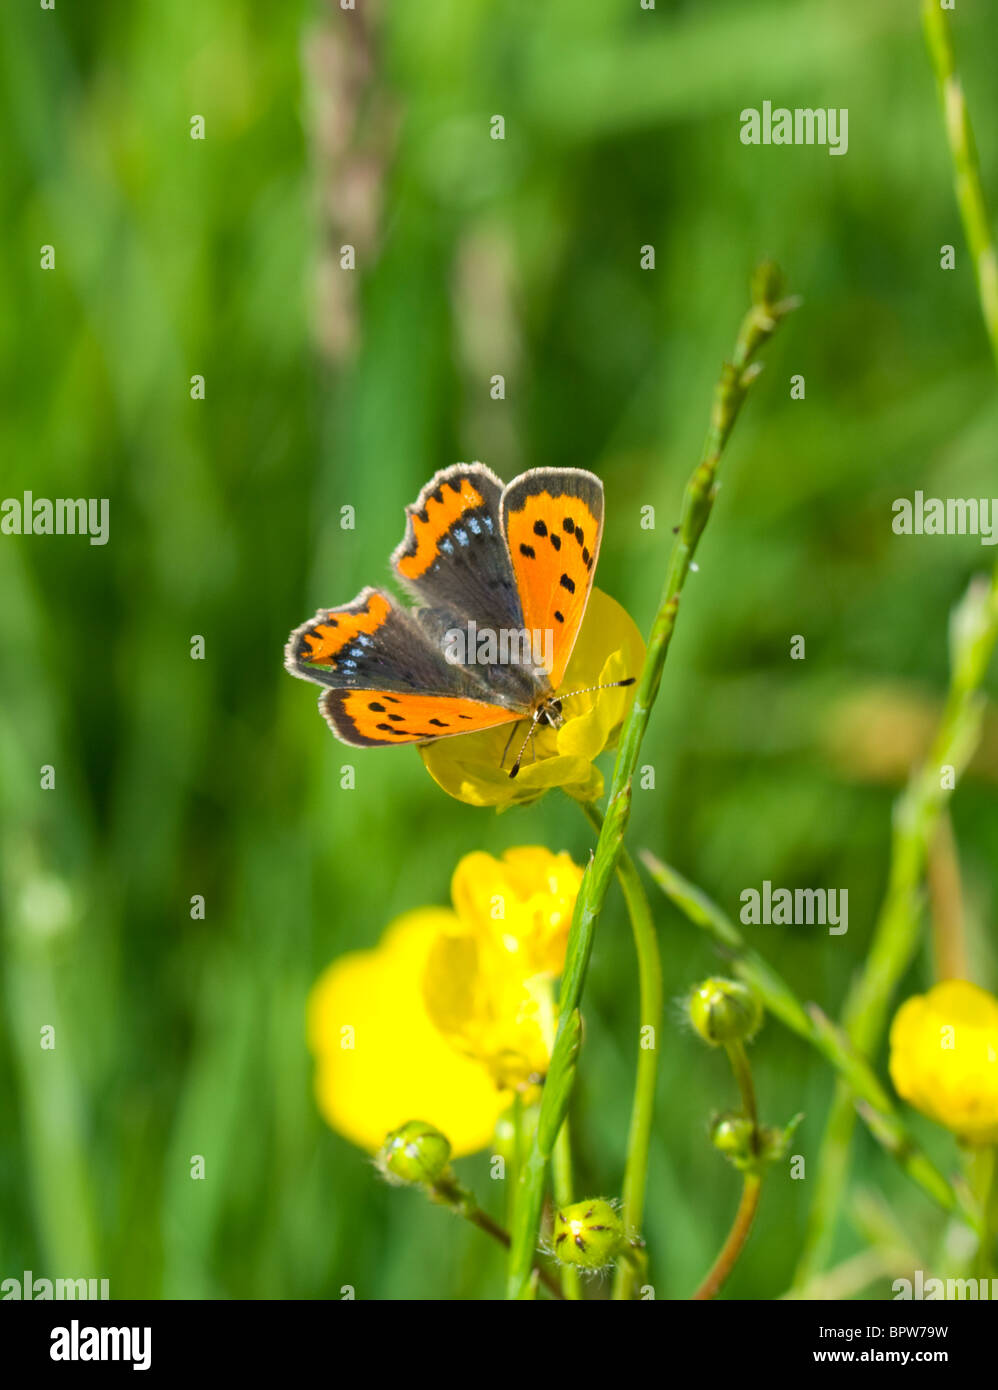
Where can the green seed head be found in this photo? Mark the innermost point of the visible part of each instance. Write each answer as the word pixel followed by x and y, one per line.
pixel 416 1152
pixel 588 1234
pixel 724 1011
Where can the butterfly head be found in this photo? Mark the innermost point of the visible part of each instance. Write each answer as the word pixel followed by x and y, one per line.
pixel 549 711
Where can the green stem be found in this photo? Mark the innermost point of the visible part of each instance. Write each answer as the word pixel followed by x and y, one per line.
pixel 966 166
pixel 985 1166
pixel 809 1023
pixel 518 1150
pixel 448 1192
pixel 738 1057
pixel 561 1159
pixel 735 1243
pixel 751 1186
pixel 646 1078
pixel 698 499
pixel 561 1185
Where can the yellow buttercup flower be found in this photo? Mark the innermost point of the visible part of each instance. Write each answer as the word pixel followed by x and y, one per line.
pixel 944 1058
pixel 472 769
pixel 452 1012
pixel 380 1059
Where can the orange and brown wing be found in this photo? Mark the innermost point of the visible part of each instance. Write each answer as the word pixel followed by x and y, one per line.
pixel 370 718
pixel 553 522
pixel 453 557
pixel 386 682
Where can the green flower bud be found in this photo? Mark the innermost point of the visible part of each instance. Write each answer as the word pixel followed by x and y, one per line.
pixel 416 1152
pixel 588 1234
pixel 732 1135
pixel 725 1011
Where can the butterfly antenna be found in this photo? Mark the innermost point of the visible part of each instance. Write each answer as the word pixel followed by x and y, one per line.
pixel 523 747
pixel 588 690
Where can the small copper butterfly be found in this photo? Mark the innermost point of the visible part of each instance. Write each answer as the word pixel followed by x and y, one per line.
pixel 511 564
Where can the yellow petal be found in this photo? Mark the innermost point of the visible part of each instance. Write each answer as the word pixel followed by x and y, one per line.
pixel 522 904
pixel 482 1004
pixel 399 1067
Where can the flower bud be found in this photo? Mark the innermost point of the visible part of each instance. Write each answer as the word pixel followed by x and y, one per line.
pixel 732 1136
pixel 589 1234
pixel 724 1011
pixel 751 1150
pixel 416 1152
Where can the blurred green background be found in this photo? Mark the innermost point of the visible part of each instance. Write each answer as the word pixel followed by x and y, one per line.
pixel 324 388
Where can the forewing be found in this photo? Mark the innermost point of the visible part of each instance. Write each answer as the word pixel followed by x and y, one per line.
pixel 453 557
pixel 552 520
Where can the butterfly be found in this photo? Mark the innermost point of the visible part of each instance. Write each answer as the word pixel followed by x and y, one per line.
pixel 501 576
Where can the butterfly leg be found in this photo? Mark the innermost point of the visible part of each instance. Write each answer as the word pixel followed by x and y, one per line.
pixel 512 731
pixel 514 770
